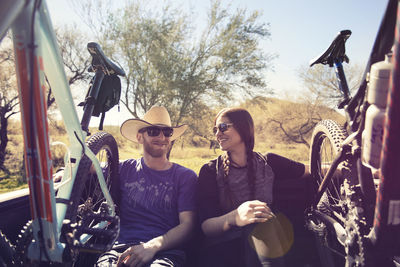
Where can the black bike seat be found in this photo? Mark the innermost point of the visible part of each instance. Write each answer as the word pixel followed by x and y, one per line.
pixel 99 60
pixel 336 52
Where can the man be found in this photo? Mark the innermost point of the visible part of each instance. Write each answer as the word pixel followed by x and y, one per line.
pixel 157 196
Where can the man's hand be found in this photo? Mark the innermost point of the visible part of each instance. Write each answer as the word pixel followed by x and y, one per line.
pixel 137 255
pixel 142 254
pixel 253 211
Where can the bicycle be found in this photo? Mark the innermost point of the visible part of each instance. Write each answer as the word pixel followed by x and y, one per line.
pixel 81 217
pixel 356 215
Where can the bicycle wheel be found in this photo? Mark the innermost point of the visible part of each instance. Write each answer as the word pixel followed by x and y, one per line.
pixel 326 139
pixel 86 191
pixel 7 251
pixel 21 259
pixel 87 197
pixel 325 143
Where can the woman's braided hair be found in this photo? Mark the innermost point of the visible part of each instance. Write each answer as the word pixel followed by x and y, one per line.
pixel 244 125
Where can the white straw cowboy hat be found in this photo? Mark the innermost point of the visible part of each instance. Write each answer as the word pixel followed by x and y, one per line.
pixel 156 116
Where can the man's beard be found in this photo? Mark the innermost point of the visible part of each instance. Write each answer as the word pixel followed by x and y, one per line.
pixel 152 151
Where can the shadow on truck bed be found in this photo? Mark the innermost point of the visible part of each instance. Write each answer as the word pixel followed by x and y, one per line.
pixel 291 197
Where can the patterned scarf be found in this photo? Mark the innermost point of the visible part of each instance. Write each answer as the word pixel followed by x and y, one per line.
pixel 264 176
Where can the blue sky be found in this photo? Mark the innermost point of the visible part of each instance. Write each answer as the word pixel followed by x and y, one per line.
pixel 300 30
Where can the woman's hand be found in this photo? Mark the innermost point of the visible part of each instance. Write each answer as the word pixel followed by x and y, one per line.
pixel 253 211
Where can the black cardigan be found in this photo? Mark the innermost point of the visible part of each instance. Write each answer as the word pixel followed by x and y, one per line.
pixel 208 202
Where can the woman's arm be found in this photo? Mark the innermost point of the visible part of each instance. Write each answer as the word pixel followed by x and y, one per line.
pixel 207 193
pixel 217 225
pixel 253 211
pixel 213 220
pixel 210 215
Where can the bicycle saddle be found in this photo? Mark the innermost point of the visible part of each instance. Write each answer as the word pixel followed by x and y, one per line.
pixel 99 60
pixel 336 52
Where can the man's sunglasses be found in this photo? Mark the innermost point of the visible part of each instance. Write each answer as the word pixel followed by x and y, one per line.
pixel 155 131
pixel 222 127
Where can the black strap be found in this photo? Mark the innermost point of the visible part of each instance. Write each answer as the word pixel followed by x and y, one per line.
pixel 103 114
pixel 63 201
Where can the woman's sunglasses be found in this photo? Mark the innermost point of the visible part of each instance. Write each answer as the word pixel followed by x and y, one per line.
pixel 155 131
pixel 222 127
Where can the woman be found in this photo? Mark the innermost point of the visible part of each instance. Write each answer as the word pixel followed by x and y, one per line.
pixel 235 195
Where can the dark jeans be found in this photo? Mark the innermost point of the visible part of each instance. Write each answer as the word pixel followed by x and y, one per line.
pixel 168 258
pixel 235 249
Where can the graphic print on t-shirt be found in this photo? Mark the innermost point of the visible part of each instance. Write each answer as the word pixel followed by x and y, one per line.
pixel 150 195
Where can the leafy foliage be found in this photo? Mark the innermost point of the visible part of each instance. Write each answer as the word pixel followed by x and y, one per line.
pixel 8 96
pixel 170 62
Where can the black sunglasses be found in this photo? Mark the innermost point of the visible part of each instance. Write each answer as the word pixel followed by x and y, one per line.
pixel 155 131
pixel 222 127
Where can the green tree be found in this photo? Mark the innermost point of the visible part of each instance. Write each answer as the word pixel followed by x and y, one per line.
pixel 76 61
pixel 76 58
pixel 8 96
pixel 170 62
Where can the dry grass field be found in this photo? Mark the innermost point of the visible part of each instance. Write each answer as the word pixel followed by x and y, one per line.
pixel 187 151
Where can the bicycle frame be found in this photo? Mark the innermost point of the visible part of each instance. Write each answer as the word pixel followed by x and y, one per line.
pixel 385 230
pixel 36 53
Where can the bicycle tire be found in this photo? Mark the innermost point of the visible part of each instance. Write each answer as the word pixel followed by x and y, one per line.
pixel 25 238
pixel 325 144
pixel 86 193
pixel 7 251
pixel 21 259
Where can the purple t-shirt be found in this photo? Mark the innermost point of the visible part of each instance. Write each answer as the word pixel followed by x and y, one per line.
pixel 151 200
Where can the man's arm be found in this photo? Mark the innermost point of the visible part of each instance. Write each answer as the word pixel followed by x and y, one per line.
pixel 138 255
pixel 177 235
